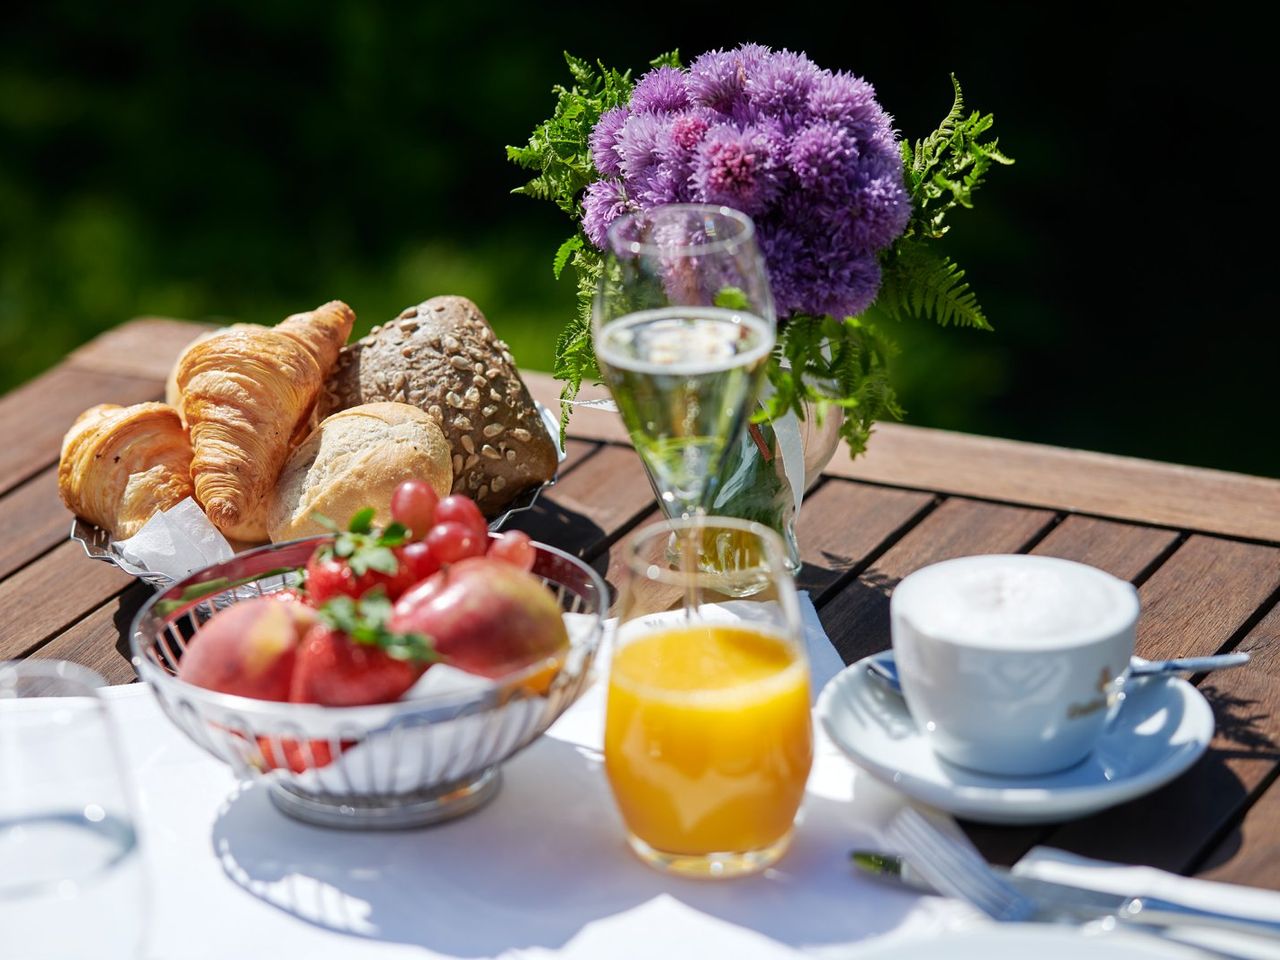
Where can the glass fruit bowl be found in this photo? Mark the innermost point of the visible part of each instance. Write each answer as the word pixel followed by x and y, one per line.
pixel 408 763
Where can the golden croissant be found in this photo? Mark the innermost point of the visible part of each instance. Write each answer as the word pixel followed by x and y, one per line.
pixel 171 394
pixel 245 393
pixel 120 465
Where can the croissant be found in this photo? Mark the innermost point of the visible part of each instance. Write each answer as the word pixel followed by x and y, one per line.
pixel 119 465
pixel 172 396
pixel 246 392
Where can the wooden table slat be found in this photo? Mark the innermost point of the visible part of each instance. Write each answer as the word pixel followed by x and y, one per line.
pixel 575 451
pixel 869 517
pixel 1124 550
pixel 48 595
pixel 842 523
pixel 1080 481
pixel 146 348
pixel 1203 594
pixel 100 641
pixel 1248 744
pixel 32 521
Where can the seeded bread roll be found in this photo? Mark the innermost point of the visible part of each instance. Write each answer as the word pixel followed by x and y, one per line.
pixel 442 356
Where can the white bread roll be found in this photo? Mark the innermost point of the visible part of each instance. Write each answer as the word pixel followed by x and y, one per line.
pixel 356 459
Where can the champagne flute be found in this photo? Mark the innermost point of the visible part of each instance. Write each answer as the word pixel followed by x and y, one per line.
pixel 683 324
pixel 708 740
pixel 72 883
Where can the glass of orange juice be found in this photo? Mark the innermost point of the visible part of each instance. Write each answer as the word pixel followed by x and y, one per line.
pixel 708 740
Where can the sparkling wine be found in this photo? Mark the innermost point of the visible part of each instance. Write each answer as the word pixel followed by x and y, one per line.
pixel 683 379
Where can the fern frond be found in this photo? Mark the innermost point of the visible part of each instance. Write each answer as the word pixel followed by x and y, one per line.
pixel 562 255
pixel 920 283
pixel 944 169
pixel 581 71
pixel 841 363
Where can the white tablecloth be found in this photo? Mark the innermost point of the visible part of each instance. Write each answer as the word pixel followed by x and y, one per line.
pixel 541 871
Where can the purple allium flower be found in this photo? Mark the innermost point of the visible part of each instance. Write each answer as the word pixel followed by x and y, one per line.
pixel 604 141
pixel 638 142
pixel 717 80
pixel 736 168
pixel 752 56
pixel 882 213
pixel 604 202
pixel 841 97
pixel 824 157
pixel 660 91
pixel 688 128
pixel 780 85
pixel 808 153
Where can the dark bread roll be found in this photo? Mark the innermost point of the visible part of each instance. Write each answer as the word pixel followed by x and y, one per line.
pixel 443 357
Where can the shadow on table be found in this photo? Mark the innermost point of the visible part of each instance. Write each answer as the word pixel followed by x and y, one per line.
pixel 537 868
pixel 1242 735
pixel 548 522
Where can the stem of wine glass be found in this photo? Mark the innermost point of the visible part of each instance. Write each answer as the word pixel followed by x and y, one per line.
pixel 689 569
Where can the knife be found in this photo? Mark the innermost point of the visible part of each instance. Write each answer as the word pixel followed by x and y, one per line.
pixel 1061 901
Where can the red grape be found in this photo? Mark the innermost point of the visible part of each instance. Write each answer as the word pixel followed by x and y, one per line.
pixel 419 560
pixel 450 541
pixel 414 505
pixel 513 547
pixel 459 508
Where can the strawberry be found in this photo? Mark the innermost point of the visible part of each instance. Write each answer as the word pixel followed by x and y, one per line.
pixel 296 756
pixel 350 658
pixel 360 559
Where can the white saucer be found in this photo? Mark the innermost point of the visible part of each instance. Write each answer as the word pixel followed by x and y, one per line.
pixel 1163 728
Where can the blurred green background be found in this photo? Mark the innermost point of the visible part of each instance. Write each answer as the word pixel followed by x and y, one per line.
pixel 249 159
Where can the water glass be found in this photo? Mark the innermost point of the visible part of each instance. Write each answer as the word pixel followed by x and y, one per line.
pixel 71 878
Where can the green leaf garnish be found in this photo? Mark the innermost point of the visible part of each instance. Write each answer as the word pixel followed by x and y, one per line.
pixel 365 547
pixel 374 558
pixel 364 621
pixel 732 298
pixel 362 520
pixel 325 522
pixel 198 591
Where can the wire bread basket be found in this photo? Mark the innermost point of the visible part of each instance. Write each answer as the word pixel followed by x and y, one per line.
pixel 403 764
pixel 98 543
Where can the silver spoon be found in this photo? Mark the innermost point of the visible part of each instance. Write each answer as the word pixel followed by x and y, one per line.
pixel 885 670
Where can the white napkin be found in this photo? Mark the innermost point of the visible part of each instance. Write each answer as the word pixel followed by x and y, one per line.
pixel 175 542
pixel 1062 867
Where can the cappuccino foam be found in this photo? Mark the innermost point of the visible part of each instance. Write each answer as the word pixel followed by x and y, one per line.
pixel 1014 601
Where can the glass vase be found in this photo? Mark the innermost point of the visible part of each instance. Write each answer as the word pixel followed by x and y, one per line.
pixel 758 476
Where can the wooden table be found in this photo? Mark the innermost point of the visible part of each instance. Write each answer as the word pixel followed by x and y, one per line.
pixel 1202 546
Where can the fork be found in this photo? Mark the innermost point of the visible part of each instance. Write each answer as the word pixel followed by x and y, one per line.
pixel 955 870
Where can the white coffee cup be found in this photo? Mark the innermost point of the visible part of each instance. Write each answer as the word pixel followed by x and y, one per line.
pixel 1012 664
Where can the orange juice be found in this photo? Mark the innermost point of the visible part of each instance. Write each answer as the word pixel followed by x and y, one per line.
pixel 707 738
